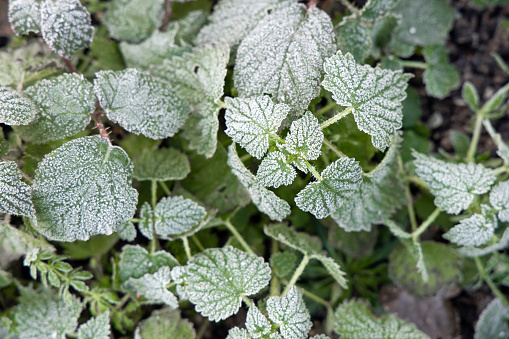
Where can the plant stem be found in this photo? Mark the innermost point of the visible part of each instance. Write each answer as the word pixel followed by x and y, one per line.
pixel 337 117
pixel 203 328
pixel 275 285
pixel 475 138
pixel 490 282
pixel 245 157
pixel 408 194
pixel 333 148
pixel 69 65
pixel 165 187
pixel 153 191
pixel 313 170
pixel 222 104
pixel 350 7
pixel 325 109
pixel 501 170
pixel 425 224
pixel 248 301
pixel 197 242
pixel 186 247
pixel 297 274
pixel 135 220
pixel 417 181
pixel 414 64
pixel 237 235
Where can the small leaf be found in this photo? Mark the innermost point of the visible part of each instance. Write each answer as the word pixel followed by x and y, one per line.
pixel 492 322
pixel 201 133
pixel 338 181
pixel 219 277
pixel 373 9
pixel 96 328
pixel 163 323
pixel 375 94
pixel 153 287
pixel 238 333
pixel 15 195
pixel 291 314
pixel 83 188
pixel 470 95
pixel 502 244
pixel 275 171
pixel 25 16
pixel 127 232
pixel 165 164
pixel 334 269
pixel 499 199
pixel 146 226
pixel 15 109
pixel 353 37
pixel 453 185
pixel 496 100
pixel 176 215
pixel 140 103
pixel 257 324
pixel 252 122
pixel 305 137
pixel 473 231
pixel 440 77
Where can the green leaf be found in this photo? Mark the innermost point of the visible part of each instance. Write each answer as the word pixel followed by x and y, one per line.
pixel 492 322
pixel 252 122
pixel 291 314
pixel 165 164
pixel 305 137
pixel 153 287
pixel 338 181
pixel 496 100
pixel 440 77
pixel 127 231
pixel 266 201
pixel 475 230
pixel 140 103
pixel 257 324
pixel 354 320
pixel 83 188
pixel 283 264
pixel 15 195
pixel 217 278
pixel 471 252
pixel 453 185
pixel 275 171
pixel 238 333
pixel 66 26
pixel 189 26
pixel 96 328
pixel 298 41
pixel 65 104
pixel 375 94
pixel 25 16
pixel 4 146
pixel 146 227
pixel 176 215
pixel 15 109
pixel 163 323
pixel 133 20
pixel 373 9
pixel 460 142
pixel 5 279
pixel 470 95
pixel 499 199
pixel 353 37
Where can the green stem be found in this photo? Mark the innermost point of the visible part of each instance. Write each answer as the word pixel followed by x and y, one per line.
pixel 245 157
pixel 315 298
pixel 186 247
pixel 490 282
pixel 237 235
pixel 414 64
pixel 222 104
pixel 313 170
pixel 333 148
pixel 248 301
pixel 500 170
pixel 153 191
pixel 325 109
pixel 475 138
pixel 417 181
pixel 297 274
pixel 425 224
pixel 198 243
pixel 165 187
pixel 408 194
pixel 275 285
pixel 337 117
pixel 203 328
pixel 135 220
pixel 350 7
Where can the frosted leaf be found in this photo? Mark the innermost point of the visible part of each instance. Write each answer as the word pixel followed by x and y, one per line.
pixel 275 171
pixel 83 188
pixel 473 231
pixel 305 137
pixel 252 122
pixel 256 323
pixel 165 323
pixel 4 146
pixel 338 181
pixel 140 103
pixel 166 164
pixel 176 215
pixel 354 320
pixel 15 109
pixel 66 26
pixel 354 37
pixel 133 20
pixel 502 244
pixel 65 104
pixel 320 336
pixel 396 230
pixel 127 232
pixel 189 26
pixel 492 322
pixel 284 54
pixel 233 19
pixel 334 269
pixel 238 333
pixel 373 9
pixel 146 226
pixel 499 199
pixel 290 313
pixel 219 277
pixel 266 201
pixel 153 287
pixel 25 16
pixel 42 314
pixel 375 94
pixel 201 132
pixel 15 195
pixel 453 185
pixel 96 328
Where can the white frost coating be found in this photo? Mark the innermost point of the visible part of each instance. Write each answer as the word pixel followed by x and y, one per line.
pixel 219 277
pixel 375 94
pixel 305 137
pixel 284 54
pixel 275 171
pixel 96 328
pixel 166 164
pixel 473 231
pixel 176 215
pixel 499 199
pixel 146 226
pixel 201 132
pixel 153 287
pixel 251 122
pixel 66 26
pixel 492 322
pixel 291 314
pixel 238 333
pixel 83 188
pixel 127 231
pixel 140 103
pixel 339 181
pixel 334 269
pixel 15 109
pixel 15 195
pixel 65 104
pixel 502 244
pixel 25 16
pixel 257 324
pixel 266 201
pixel 453 185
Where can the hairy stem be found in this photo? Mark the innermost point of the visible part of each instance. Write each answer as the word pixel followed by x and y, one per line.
pixel 198 243
pixel 475 138
pixel 350 7
pixel 237 235
pixel 489 282
pixel 186 247
pixel 337 117
pixel 297 274
pixel 325 109
pixel 69 65
pixel 333 148
pixel 313 171
pixel 414 64
pixel 165 187
pixel 408 194
pixel 426 223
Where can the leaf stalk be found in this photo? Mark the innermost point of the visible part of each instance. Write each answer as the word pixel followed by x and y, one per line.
pixel 337 117
pixel 297 274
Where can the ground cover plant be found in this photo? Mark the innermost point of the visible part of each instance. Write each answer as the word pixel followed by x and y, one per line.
pixel 243 169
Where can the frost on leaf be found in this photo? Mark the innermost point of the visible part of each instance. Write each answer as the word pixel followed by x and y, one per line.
pixel 176 215
pixel 65 104
pixel 492 322
pixel 499 199
pixel 453 185
pixel 153 287
pixel 4 146
pixel 96 328
pixel 66 26
pixel 305 137
pixel 251 122
pixel 275 171
pixel 15 109
pixel 354 37
pixel 354 320
pixel 291 314
pixel 475 230
pixel 140 103
pixel 373 9
pixel 266 201
pixel 15 195
pixel 161 165
pixel 374 93
pixel 502 244
pixel 338 181
pixel 25 16
pixel 256 323
pixel 297 41
pixel 165 323
pixel 127 231
pixel 83 188
pixel 146 226
pixel 219 277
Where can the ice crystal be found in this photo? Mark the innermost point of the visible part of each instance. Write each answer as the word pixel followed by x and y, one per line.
pixel 166 164
pixel 275 171
pixel 176 215
pixel 499 199
pixel 15 195
pixel 15 109
pixel 153 287
pixel 96 328
pixel 25 16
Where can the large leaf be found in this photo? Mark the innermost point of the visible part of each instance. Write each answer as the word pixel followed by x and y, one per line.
pixel 176 215
pixel 161 165
pixel 25 16
pixel 153 287
pixel 83 188
pixel 15 109
pixel 217 278
pixel 375 94
pixel 165 323
pixel 298 41
pixel 96 328
pixel 475 230
pixel 275 170
pixel 15 195
pixel 499 199
pixel 492 322
pixel 140 103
